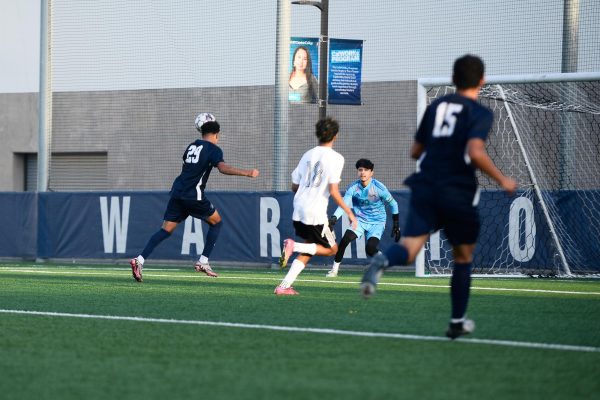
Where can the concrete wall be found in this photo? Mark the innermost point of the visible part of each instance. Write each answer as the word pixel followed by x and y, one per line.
pixel 145 132
pixel 18 135
pixel 141 135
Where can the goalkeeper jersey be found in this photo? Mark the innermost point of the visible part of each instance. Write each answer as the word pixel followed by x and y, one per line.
pixel 368 203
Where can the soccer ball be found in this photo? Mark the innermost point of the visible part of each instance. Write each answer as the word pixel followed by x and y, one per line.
pixel 203 118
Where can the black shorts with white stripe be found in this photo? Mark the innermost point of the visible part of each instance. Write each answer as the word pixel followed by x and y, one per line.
pixel 319 234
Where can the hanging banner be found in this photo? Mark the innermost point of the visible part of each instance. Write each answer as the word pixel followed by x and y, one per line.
pixel 345 66
pixel 304 70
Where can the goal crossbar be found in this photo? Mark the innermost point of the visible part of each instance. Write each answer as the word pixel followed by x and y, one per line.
pixel 531 78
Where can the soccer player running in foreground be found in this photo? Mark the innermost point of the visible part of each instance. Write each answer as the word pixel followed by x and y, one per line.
pixel 450 145
pixel 187 194
pixel 316 177
pixel 368 198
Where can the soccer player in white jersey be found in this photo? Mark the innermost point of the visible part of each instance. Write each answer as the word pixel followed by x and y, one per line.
pixel 368 198
pixel 316 177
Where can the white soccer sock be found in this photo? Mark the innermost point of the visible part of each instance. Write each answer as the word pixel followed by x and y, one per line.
pixel 203 260
pixel 336 266
pixel 295 269
pixel 306 248
pixel 140 259
pixel 457 320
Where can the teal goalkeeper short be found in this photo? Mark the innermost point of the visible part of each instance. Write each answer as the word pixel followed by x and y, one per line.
pixel 369 230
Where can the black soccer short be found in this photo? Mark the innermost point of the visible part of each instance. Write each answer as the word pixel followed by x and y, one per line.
pixel 449 207
pixel 179 209
pixel 319 234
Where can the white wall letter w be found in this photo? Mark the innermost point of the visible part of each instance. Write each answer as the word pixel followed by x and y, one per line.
pixel 114 223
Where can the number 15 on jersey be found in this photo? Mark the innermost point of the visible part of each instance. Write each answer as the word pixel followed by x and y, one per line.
pixel 445 119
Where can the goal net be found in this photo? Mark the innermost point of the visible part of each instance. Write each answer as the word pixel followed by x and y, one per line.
pixel 546 134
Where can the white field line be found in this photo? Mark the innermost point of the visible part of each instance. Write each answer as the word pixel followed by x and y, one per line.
pixel 506 343
pixel 278 278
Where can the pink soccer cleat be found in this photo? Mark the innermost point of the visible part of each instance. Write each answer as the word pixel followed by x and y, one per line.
pixel 286 252
pixel 279 291
pixel 136 269
pixel 199 267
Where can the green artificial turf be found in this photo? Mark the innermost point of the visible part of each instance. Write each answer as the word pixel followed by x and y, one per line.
pixel 62 357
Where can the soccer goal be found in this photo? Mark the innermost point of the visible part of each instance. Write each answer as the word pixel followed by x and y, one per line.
pixel 546 134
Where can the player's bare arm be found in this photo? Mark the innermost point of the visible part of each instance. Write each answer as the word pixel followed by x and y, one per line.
pixel 295 187
pixel 334 191
pixel 481 159
pixel 417 150
pixel 229 170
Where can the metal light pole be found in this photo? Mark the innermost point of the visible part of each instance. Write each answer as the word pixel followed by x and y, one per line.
pixel 570 47
pixel 281 122
pixel 323 6
pixel 570 42
pixel 45 98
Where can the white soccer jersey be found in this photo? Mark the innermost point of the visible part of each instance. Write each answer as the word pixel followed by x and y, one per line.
pixel 319 167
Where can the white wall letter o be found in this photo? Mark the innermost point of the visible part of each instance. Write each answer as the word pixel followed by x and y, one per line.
pixel 515 226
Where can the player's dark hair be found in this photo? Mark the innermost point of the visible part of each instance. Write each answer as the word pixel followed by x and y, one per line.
pixel 210 127
pixel 467 72
pixel 364 163
pixel 326 129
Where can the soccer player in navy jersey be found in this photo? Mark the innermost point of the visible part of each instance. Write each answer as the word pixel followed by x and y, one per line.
pixel 367 197
pixel 187 194
pixel 449 145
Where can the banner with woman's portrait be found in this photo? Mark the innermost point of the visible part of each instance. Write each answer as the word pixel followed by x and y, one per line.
pixel 304 70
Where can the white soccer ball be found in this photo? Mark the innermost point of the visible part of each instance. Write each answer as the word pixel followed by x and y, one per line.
pixel 203 118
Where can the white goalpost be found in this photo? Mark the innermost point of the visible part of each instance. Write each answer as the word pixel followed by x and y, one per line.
pixel 546 134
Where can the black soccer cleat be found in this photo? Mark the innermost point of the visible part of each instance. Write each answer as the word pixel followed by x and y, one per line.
pixel 372 275
pixel 461 328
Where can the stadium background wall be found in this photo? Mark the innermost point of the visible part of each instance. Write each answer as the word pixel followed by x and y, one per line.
pixel 126 79
pixel 114 226
pixel 142 135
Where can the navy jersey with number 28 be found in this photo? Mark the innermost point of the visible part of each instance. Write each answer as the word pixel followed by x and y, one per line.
pixel 199 159
pixel 448 124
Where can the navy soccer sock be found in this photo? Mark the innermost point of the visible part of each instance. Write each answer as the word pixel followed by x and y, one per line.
pixel 396 255
pixel 460 285
pixel 211 238
pixel 154 241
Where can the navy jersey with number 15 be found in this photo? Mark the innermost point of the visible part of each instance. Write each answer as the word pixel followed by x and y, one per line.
pixel 199 159
pixel 448 124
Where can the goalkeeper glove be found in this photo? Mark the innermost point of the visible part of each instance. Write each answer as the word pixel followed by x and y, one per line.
pixel 332 221
pixel 396 228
